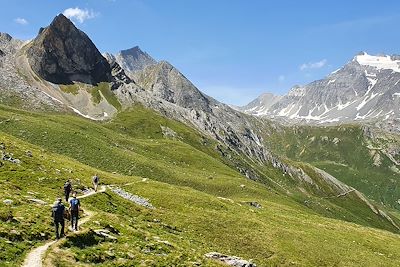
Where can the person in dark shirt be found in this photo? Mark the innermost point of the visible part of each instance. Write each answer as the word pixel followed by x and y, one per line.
pixel 74 207
pixel 67 189
pixel 58 216
pixel 95 181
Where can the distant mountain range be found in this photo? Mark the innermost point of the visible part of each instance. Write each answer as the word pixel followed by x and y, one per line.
pixel 366 89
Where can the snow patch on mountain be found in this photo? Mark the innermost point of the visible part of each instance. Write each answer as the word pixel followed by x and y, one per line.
pixel 341 106
pixel 83 115
pixel 379 62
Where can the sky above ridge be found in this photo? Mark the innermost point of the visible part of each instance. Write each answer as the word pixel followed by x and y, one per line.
pixel 231 50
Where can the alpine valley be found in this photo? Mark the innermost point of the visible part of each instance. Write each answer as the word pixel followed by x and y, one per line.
pixel 311 178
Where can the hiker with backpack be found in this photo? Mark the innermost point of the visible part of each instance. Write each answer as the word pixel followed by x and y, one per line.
pixel 58 217
pixel 67 189
pixel 74 208
pixel 95 181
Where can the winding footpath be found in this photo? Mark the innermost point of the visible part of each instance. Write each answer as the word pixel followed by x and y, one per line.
pixel 35 257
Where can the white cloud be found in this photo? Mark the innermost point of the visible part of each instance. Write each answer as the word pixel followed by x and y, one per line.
pixel 314 65
pixel 80 15
pixel 281 78
pixel 21 21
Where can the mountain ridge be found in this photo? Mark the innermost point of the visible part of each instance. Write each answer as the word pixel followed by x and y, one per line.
pixel 364 90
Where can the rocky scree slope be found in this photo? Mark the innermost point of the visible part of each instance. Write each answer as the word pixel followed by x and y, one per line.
pixel 14 88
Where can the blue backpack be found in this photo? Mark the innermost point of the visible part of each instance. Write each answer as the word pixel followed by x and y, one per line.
pixel 74 204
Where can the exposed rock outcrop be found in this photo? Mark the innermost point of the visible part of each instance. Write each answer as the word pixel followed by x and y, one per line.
pixel 61 54
pixel 230 260
pixel 119 76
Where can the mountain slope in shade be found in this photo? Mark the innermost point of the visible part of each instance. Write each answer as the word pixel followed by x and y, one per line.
pixel 62 54
pixel 365 89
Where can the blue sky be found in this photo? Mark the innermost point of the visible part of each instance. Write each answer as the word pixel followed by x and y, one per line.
pixel 232 50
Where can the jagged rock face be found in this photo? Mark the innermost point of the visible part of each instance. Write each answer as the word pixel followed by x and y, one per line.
pixel 61 54
pixel 134 59
pixel 119 76
pixel 365 89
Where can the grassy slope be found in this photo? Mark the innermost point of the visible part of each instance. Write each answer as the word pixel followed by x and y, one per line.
pixel 185 181
pixel 349 160
pixel 133 144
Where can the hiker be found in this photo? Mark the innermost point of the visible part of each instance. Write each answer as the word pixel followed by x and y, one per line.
pixel 58 216
pixel 74 207
pixel 67 189
pixel 95 181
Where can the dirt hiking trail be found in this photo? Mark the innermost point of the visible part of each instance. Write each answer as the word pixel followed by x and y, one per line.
pixel 35 257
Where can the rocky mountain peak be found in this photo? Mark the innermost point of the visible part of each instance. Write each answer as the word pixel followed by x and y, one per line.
pixel 5 37
pixel 166 82
pixel 61 54
pixel 62 23
pixel 134 59
pixel 134 51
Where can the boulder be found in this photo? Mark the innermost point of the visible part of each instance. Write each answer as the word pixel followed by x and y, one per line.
pixel 105 234
pixel 7 201
pixel 255 204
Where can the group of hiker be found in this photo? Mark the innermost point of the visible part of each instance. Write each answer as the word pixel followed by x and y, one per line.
pixel 60 213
